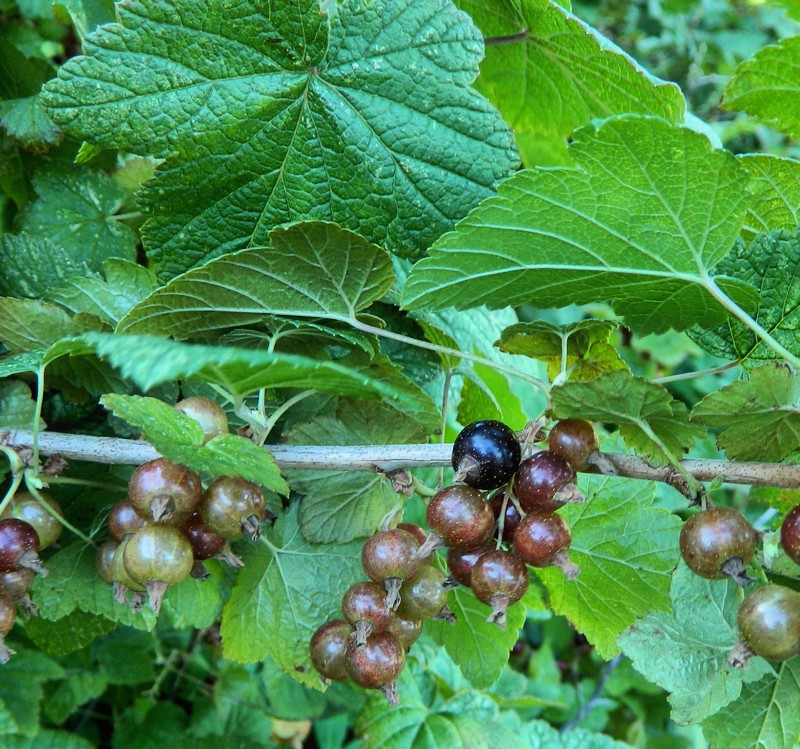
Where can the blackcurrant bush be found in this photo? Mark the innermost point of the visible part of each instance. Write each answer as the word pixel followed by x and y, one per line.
pixel 8 615
pixel 574 440
pixel 545 482
pixel 364 605
pixel 459 517
pixel 164 492
pixel 405 630
pixel 511 518
pixel 19 546
pixel 377 664
pixel 790 534
pixel 461 561
pixel 233 507
pixel 486 454
pixel 104 560
pixel 211 417
pixel 424 595
pixel 542 540
pixel 329 647
pixel 158 557
pixel 718 543
pixel 207 544
pixel 769 625
pixel 26 507
pixel 500 579
pixel 389 557
pixel 123 520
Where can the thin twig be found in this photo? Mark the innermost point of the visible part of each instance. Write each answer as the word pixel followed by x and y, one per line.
pixel 594 700
pixel 385 458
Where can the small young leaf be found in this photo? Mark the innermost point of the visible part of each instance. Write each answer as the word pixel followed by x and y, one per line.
pixel 26 121
pixel 650 419
pixel 760 417
pixel 626 550
pixel 766 86
pixel 28 325
pixel 180 439
pixel 685 651
pixel 286 590
pixel 17 407
pixel 561 236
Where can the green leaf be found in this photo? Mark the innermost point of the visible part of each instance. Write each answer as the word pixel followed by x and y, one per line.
pixel 27 325
pixel 767 86
pixel 340 506
pixel 560 236
pixel 626 549
pixel 311 269
pixel 770 263
pixel 579 73
pixel 360 115
pixel 20 363
pixel 197 604
pixel 477 401
pixel 27 122
pixel 289 700
pixel 87 15
pixel 75 210
pixel 33 266
pixel 760 417
pixel 478 647
pixel 49 739
pixel 17 407
pixel 539 734
pixel 685 651
pixel 764 717
pixel 21 687
pixel 73 583
pixel 286 590
pixel 180 439
pixel 775 184
pixel 651 421
pixel 68 634
pixel 588 353
pixel 150 361
pixel 125 285
pixel 82 683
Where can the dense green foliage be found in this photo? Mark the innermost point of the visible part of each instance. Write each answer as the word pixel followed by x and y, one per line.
pixel 370 223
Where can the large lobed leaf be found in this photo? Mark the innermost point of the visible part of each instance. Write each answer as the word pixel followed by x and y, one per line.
pixel 626 550
pixel 647 210
pixel 362 115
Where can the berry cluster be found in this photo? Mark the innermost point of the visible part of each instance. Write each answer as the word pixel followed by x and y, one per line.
pixel 384 616
pixel 167 526
pixel 26 528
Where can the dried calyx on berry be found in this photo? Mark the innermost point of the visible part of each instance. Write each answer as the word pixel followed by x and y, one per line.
pixel 364 606
pixel 485 454
pixel 389 557
pixel 499 579
pixel 161 491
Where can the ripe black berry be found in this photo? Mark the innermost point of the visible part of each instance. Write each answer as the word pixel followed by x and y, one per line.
pixel 26 507
pixel 389 557
pixel 19 546
pixel 329 647
pixel 212 418
pixel 164 492
pixel 574 440
pixel 158 557
pixel 542 540
pixel 718 543
pixel 424 595
pixel 8 614
pixel 790 534
pixel 233 507
pixel 364 605
pixel 769 625
pixel 459 517
pixel 545 482
pixel 377 664
pixel 500 579
pixel 485 454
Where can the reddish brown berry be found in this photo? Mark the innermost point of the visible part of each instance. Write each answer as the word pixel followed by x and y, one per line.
pixel 212 418
pixel 164 492
pixel 574 440
pixel 329 648
pixel 545 482
pixel 542 540
pixel 790 534
pixel 459 517
pixel 500 579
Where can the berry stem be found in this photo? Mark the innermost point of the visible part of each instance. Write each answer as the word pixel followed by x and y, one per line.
pixel 695 375
pixel 31 484
pixel 385 458
pixel 12 490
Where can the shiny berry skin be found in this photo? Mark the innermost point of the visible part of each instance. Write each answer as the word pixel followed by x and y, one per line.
pixel 487 453
pixel 540 536
pixel 499 579
pixel 461 561
pixel 390 553
pixel 415 530
pixel 204 542
pixel 15 585
pixel 26 507
pixel 164 492
pixel 512 516
pixel 211 417
pixel 329 647
pixel 232 507
pixel 790 534
pixel 104 560
pixel 8 615
pixel 377 663
pixel 461 516
pixel 769 622
pixel 364 605
pixel 715 538
pixel 574 440
pixel 123 520
pixel 119 573
pixel 18 541
pixel 539 479
pixel 405 630
pixel 424 595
